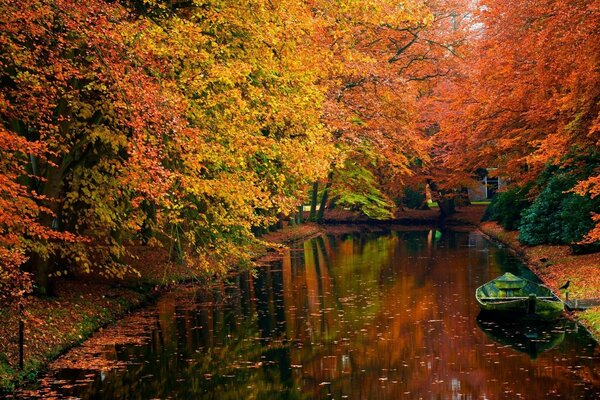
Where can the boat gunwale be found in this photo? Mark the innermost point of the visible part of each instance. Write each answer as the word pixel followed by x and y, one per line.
pixel 488 306
pixel 549 301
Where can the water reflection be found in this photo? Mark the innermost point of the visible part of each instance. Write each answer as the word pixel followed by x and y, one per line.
pixel 361 316
pixel 531 338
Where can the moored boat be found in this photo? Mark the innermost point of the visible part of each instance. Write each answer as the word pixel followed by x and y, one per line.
pixel 514 297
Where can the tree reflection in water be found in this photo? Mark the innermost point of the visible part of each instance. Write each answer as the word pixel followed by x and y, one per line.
pixel 363 316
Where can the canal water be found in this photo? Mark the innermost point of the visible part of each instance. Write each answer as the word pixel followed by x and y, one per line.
pixel 385 315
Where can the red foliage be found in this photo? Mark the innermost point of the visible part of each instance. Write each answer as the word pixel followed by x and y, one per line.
pixel 528 89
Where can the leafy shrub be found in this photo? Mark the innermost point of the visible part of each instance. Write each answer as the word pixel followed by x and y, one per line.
pixel 7 374
pixel 356 188
pixel 414 198
pixel 506 207
pixel 585 248
pixel 557 216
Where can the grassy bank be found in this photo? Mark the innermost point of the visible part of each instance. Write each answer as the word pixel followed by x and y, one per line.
pixel 55 324
pixel 82 304
pixel 555 265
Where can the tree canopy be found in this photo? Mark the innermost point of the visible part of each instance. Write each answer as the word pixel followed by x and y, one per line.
pixel 524 97
pixel 194 124
pixel 186 124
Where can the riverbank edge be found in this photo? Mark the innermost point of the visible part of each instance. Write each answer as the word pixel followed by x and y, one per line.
pixel 106 304
pixel 96 319
pixel 589 319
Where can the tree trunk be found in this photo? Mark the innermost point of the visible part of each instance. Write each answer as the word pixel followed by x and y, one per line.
pixel 333 202
pixel 280 218
pixel 324 198
pixel 42 266
pixel 299 216
pixel 463 198
pixel 313 203
pixel 21 338
pixel 176 250
pixel 146 231
pixel 447 206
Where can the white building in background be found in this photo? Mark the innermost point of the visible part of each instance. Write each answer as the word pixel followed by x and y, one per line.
pixel 486 188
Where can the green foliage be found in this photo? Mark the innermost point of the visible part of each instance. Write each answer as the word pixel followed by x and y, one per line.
pixel 557 216
pixel 506 207
pixel 6 374
pixel 356 188
pixel 414 197
pixel 592 319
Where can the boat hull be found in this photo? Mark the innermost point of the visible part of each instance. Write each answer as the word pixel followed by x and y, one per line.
pixel 545 310
pixel 512 297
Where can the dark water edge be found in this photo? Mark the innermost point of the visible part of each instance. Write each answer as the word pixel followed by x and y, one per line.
pixel 360 316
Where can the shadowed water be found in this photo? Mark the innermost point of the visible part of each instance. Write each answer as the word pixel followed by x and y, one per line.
pixel 386 315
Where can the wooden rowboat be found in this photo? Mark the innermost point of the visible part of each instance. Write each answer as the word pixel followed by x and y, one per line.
pixel 510 296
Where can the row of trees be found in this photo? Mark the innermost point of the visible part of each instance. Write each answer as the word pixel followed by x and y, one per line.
pixel 194 124
pixel 525 99
pixel 191 124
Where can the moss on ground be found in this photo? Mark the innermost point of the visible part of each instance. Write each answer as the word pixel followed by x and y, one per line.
pixel 591 319
pixel 7 374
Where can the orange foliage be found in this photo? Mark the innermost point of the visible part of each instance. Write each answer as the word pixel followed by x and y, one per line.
pixel 526 95
pixel 381 56
pixel 528 90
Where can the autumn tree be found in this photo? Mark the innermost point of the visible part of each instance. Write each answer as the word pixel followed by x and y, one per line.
pixel 526 96
pixel 381 55
pixel 192 125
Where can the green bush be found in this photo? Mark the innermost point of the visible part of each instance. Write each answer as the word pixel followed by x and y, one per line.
pixel 506 207
pixel 7 375
pixel 356 187
pixel 414 198
pixel 557 216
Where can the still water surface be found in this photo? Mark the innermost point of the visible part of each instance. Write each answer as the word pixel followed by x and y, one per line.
pixel 386 315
